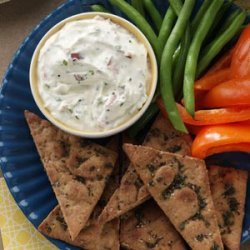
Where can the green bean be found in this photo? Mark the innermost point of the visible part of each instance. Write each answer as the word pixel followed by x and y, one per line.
pixel 217 21
pixel 98 8
pixel 228 21
pixel 138 5
pixel 166 28
pixel 193 54
pixel 167 65
pixel 144 120
pixel 212 49
pixel 153 13
pixel 199 15
pixel 176 6
pixel 180 64
pixel 140 22
pixel 175 58
pixel 176 55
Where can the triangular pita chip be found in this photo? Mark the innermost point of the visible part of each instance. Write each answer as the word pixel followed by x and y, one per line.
pixel 89 238
pixel 180 186
pixel 131 191
pixel 147 227
pixel 92 237
pixel 77 169
pixel 228 187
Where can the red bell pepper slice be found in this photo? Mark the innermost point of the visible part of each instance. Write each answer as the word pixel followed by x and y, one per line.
pixel 210 117
pixel 222 63
pixel 240 66
pixel 207 82
pixel 231 93
pixel 194 130
pixel 221 138
pixel 240 147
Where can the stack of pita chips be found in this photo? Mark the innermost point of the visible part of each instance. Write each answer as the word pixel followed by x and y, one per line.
pixel 78 171
pixel 131 191
pixel 179 185
pixel 165 198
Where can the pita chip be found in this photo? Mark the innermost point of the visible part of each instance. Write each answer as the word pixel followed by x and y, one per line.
pixel 147 227
pixel 77 169
pixel 228 187
pixel 90 237
pixel 180 186
pixel 132 191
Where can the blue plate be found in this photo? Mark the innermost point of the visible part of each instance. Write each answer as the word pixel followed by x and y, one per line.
pixel 20 162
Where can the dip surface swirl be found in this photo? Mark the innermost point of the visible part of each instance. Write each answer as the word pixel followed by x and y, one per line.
pixel 93 75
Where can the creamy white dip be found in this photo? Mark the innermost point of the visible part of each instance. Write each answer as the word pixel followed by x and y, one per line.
pixel 93 74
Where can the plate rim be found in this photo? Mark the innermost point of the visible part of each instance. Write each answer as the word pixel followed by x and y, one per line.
pixel 3 86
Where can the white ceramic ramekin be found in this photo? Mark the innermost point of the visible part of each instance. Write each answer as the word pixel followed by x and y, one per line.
pixel 34 79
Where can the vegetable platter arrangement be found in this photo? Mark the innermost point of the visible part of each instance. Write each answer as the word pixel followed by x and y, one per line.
pixel 204 70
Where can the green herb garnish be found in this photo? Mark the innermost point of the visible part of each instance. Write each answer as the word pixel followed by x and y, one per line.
pixel 65 62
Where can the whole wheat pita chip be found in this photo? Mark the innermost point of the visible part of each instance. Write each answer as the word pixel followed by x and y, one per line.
pixel 147 227
pixel 180 186
pixel 228 187
pixel 132 191
pixel 92 237
pixel 89 238
pixel 163 136
pixel 77 169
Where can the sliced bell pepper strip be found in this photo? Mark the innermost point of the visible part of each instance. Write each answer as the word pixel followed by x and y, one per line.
pixel 199 96
pixel 240 66
pixel 240 147
pixel 194 130
pixel 231 93
pixel 222 63
pixel 207 82
pixel 221 138
pixel 210 117
pixel 246 122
